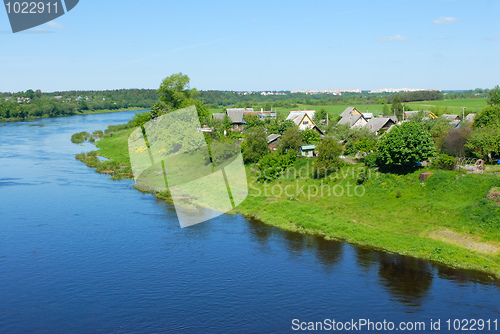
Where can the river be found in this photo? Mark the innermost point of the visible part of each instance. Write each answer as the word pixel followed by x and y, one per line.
pixel 80 253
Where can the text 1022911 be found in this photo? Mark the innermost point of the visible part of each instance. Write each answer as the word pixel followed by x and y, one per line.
pixel 32 7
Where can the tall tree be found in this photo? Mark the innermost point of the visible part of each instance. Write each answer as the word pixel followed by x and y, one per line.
pixel 255 145
pixel 328 159
pixel 406 145
pixel 290 141
pixel 175 93
pixel 494 96
pixel 397 107
pixel 310 136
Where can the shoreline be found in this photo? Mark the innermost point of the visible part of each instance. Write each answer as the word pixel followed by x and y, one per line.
pixel 314 217
pixel 102 111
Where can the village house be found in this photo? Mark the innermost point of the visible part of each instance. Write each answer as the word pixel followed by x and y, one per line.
pixel 368 116
pixel 408 115
pixel 352 117
pixel 470 118
pixel 218 116
pixel 272 141
pixel 263 115
pixel 454 119
pixel 236 116
pixel 308 151
pixel 353 120
pixel 350 111
pixel 304 120
pixel 380 124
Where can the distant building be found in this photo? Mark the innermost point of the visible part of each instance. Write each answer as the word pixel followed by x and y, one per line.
pixel 425 114
pixel 219 117
pixel 470 118
pixel 350 111
pixel 353 120
pixel 272 141
pixel 379 124
pixel 368 115
pixel 304 120
pixel 308 150
pixel 454 119
pixel 236 117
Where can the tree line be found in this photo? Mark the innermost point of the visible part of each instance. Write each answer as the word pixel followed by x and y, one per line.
pixel 32 104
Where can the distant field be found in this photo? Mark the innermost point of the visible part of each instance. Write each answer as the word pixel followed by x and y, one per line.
pixel 442 107
pixel 451 106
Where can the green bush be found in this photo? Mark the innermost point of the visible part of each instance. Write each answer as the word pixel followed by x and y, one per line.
pixel 444 161
pixel 80 137
pixel 370 160
pixel 272 166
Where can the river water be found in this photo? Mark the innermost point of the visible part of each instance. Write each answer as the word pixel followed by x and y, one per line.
pixel 80 253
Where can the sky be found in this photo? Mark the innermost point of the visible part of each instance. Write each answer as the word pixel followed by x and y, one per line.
pixel 258 45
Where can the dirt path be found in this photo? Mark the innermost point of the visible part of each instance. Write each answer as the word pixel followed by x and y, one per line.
pixel 466 241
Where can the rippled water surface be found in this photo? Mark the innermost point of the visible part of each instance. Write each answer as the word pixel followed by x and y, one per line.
pixel 80 253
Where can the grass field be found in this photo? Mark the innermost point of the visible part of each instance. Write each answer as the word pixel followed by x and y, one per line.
pixel 451 106
pixel 445 219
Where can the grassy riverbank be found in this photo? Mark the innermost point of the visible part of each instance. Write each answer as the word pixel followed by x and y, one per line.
pixel 451 218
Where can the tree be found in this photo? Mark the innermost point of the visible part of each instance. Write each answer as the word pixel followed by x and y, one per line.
pixel 251 121
pixel 291 140
pixel 454 142
pixel 255 145
pixel 396 105
pixel 494 96
pixel 490 115
pixel 175 94
pixel 385 110
pixel 328 160
pixel 320 115
pixel 310 136
pixel 285 126
pixel 484 142
pixel 30 94
pixel 405 145
pixel 365 145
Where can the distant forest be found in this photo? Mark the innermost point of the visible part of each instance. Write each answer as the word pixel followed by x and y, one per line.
pixel 35 104
pixel 216 99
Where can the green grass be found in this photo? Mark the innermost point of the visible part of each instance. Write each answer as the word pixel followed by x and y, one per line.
pixel 453 106
pixel 80 137
pixel 397 213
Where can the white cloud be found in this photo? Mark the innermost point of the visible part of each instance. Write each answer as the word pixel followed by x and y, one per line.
pixel 395 38
pixel 53 24
pixel 444 37
pixel 446 20
pixel 37 31
pixel 495 38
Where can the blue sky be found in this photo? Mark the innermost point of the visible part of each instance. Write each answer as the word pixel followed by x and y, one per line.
pixel 258 45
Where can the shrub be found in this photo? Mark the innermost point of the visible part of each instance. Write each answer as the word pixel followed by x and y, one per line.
pixel 256 145
pixel 272 166
pixel 328 160
pixel 80 137
pixel 370 160
pixel 444 161
pixel 406 145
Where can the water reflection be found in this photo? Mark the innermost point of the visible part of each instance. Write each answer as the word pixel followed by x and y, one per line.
pixel 406 278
